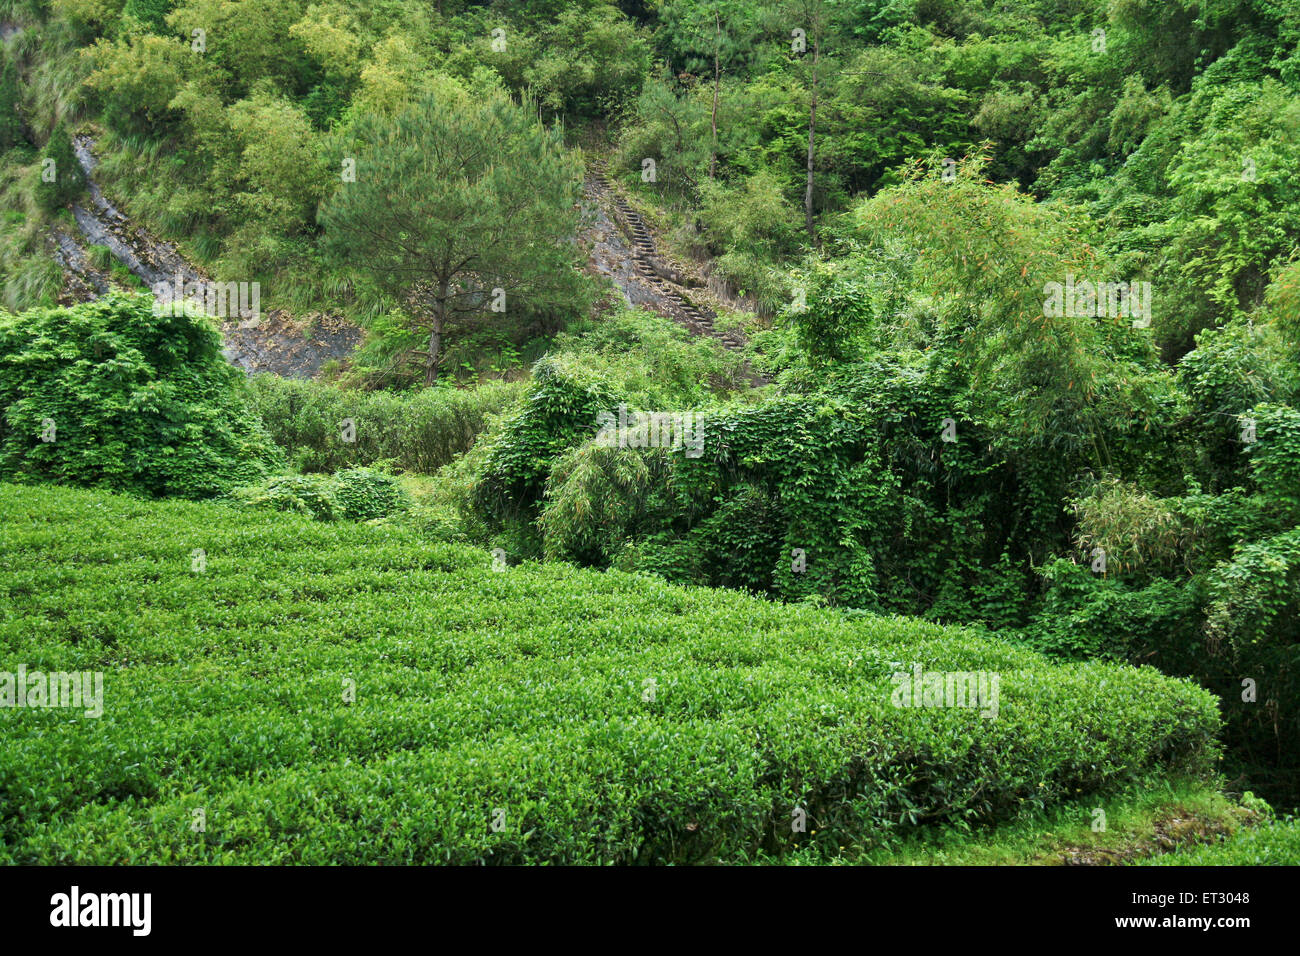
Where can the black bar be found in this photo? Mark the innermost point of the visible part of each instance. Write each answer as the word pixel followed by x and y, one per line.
pixel 331 906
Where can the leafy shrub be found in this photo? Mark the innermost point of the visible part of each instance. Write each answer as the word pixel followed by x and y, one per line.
pixel 611 718
pixel 650 361
pixel 110 395
pixel 751 226
pixel 559 411
pixel 583 62
pixel 363 494
pixel 310 495
pixel 1203 585
pixel 595 493
pixel 1229 372
pixel 136 81
pixel 152 13
pixel 1084 615
pixel 855 475
pixel 358 494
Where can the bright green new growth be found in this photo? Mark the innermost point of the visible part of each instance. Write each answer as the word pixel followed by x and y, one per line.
pixel 343 693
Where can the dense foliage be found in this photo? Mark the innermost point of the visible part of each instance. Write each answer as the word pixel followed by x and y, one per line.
pixel 112 395
pixel 417 693
pixel 923 422
pixel 356 494
pixel 476 202
pixel 944 446
pixel 322 428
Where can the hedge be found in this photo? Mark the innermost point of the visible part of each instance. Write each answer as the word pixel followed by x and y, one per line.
pixel 419 431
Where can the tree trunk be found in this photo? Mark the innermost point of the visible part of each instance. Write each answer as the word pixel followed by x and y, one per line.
pixel 435 336
pixel 812 126
pixel 717 80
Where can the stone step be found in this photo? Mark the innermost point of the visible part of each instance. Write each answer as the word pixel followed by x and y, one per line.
pixel 643 250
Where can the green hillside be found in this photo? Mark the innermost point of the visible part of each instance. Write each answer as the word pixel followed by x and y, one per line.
pixel 836 432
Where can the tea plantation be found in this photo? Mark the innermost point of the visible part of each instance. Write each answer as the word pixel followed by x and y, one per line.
pixel 282 690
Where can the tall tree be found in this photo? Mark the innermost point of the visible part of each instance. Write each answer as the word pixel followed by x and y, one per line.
pixel 460 210
pixel 809 22
pixel 713 35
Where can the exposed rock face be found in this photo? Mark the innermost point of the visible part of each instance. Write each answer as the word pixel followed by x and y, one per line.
pixel 290 348
pixel 148 257
pixel 253 342
pixel 620 247
pixel 82 281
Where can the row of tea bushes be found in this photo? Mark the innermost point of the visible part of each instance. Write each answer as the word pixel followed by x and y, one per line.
pixel 278 689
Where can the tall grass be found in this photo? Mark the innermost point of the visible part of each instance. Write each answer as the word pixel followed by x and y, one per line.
pixel 420 431
pixel 29 276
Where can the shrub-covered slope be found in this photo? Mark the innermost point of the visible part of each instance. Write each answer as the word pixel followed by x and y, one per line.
pixel 352 694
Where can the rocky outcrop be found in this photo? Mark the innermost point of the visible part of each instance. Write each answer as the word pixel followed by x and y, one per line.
pixel 255 342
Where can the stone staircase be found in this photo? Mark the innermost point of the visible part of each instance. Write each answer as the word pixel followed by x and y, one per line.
pixel 669 284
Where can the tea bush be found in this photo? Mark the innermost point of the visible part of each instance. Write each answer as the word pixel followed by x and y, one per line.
pixel 350 693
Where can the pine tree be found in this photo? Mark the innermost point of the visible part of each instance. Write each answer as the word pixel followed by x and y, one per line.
pixel 62 179
pixel 460 210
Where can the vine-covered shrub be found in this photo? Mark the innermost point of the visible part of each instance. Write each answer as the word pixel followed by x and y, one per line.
pixel 358 494
pixel 311 495
pixel 1230 371
pixel 1203 585
pixel 109 394
pixel 933 423
pixel 558 412
pixel 363 493
pixel 850 494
